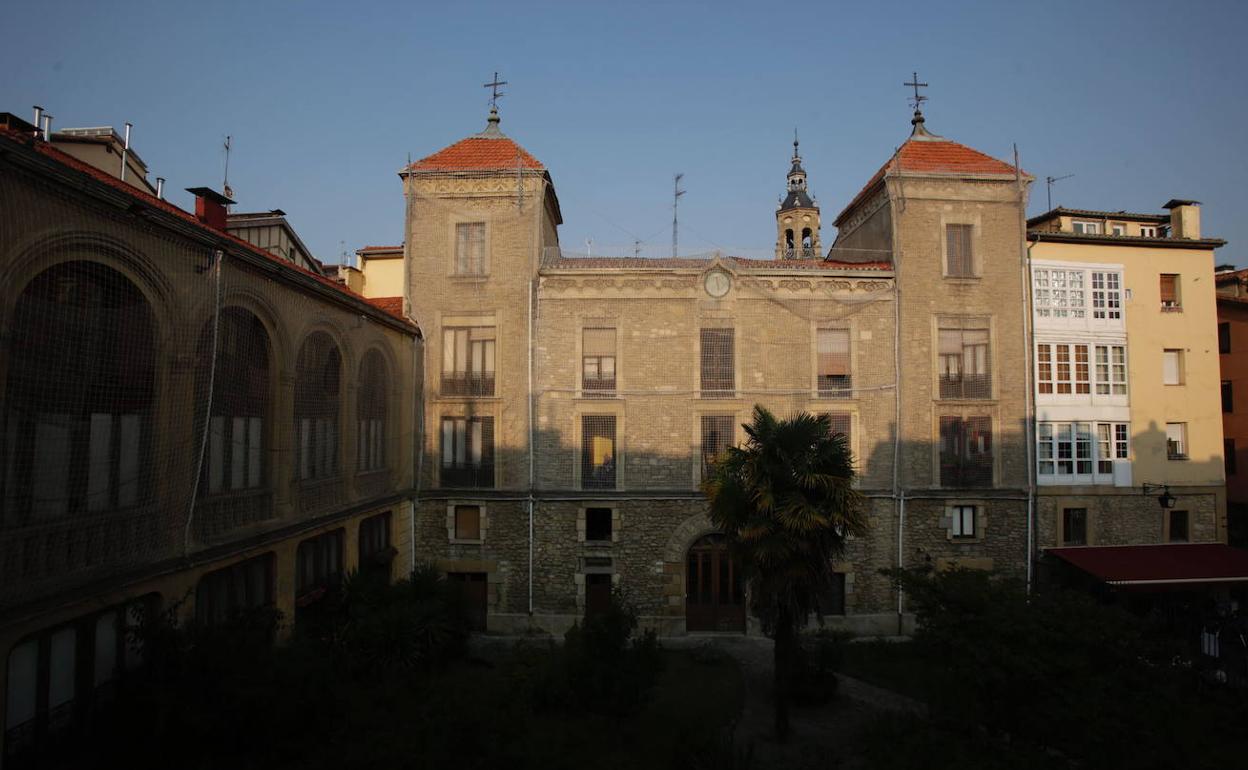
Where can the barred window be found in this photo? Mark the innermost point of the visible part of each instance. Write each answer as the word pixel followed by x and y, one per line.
pixel 964 364
pixel 718 375
pixel 318 566
pixel 1074 526
pixel 77 406
pixel 468 361
pixel 717 430
pixel 839 422
pixel 470 248
pixel 224 593
pixel 371 412
pixel 468 452
pixel 965 452
pixel 597 451
pixel 240 402
pixel 598 361
pixel 960 262
pixel 317 396
pixel 835 378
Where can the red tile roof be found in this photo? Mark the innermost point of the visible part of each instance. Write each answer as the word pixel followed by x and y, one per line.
pixel 479 153
pixel 691 263
pixel 392 305
pixel 1158 565
pixel 368 249
pixel 47 150
pixel 932 155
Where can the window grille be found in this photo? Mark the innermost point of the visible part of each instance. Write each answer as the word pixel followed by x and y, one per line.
pixel 1169 291
pixel 77 407
pixel 371 408
pixel 598 361
pixel 835 377
pixel 839 422
pixel 468 452
pixel 717 435
pixel 318 565
pixel 468 361
pixel 1074 526
pixel 718 375
pixel 470 248
pixel 1176 440
pixel 467 522
pixel 237 588
pixel 959 257
pixel 963 521
pixel 598 524
pixel 598 451
pixel 965 452
pixel 317 396
pixel 240 403
pixel 964 364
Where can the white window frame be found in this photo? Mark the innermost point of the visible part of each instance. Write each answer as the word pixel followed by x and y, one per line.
pixel 1080 451
pixel 962 518
pixel 1148 231
pixel 483 265
pixel 1085 227
pixel 1078 295
pixel 1180 429
pixel 1167 376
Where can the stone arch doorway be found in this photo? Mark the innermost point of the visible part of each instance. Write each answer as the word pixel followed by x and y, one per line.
pixel 714 590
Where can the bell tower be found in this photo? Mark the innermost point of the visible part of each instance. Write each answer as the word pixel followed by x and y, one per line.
pixel 797 216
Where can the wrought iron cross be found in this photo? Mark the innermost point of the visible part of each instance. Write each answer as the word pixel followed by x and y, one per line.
pixel 914 83
pixel 495 93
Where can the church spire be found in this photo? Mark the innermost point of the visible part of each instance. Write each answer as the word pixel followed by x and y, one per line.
pixel 797 217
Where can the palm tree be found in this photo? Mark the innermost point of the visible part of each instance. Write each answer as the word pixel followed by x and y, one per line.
pixel 786 503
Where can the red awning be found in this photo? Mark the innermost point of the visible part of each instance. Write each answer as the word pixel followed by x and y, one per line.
pixel 1145 565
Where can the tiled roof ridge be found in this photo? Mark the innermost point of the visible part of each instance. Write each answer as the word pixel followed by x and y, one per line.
pixel 70 161
pixel 479 153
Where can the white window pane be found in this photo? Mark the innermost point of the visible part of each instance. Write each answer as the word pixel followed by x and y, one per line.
pixel 476 442
pixel 216 453
pixel 461 350
pixel 128 460
pixel 20 698
pixel 61 667
pixel 448 351
pixel 489 357
pixel 448 442
pixel 105 669
pixel 100 470
pixel 1170 367
pixel 238 452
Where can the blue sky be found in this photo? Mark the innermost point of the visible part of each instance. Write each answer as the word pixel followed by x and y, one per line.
pixel 1141 101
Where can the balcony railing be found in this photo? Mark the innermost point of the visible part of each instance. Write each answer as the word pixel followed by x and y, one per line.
pixel 966 386
pixel 467 384
pixel 599 387
pixel 836 386
pixel 468 476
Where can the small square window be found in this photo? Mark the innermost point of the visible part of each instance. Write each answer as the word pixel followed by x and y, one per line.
pixel 1178 527
pixel 963 521
pixel 598 524
pixel 1087 228
pixel 467 522
pixel 1074 526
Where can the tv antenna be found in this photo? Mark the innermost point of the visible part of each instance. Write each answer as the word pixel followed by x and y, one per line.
pixel 676 193
pixel 1048 184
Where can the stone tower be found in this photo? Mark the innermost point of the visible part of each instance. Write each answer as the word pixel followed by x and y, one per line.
pixel 797 217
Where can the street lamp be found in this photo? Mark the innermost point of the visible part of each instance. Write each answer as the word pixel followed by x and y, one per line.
pixel 1165 499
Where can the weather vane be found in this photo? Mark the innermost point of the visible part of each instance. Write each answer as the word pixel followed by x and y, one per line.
pixel 495 93
pixel 914 83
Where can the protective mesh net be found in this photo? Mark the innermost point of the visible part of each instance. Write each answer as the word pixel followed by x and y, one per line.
pixel 161 398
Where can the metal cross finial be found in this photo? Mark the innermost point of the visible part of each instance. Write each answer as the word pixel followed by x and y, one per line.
pixel 495 93
pixel 914 83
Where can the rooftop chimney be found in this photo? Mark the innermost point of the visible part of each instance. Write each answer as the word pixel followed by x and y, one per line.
pixel 1184 219
pixel 210 206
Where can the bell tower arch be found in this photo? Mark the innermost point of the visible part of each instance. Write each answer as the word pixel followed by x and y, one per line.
pixel 797 216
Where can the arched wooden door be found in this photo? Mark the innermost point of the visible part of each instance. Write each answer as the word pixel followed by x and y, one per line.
pixel 714 591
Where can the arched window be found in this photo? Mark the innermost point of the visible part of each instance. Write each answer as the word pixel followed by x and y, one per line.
pixel 317 396
pixel 239 372
pixel 371 410
pixel 78 403
pixel 788 239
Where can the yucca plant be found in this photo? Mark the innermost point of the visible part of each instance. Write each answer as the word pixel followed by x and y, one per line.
pixel 786 503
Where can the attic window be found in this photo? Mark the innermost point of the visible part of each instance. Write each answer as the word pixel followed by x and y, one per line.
pixel 1087 228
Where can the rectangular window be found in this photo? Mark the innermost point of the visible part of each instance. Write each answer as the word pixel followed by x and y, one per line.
pixel 1059 293
pixel 1117 228
pixel 1087 228
pixel 317 447
pixel 375 548
pixel 598 524
pixel 1111 445
pixel 965 452
pixel 470 248
pixel 370 444
pixel 1062 368
pixel 716 437
pixel 1228 455
pixel 235 454
pixel 1172 367
pixel 1148 231
pixel 839 422
pixel 1074 526
pixel 1069 449
pixel 1176 440
pixel 718 368
pixel 468 522
pixel 597 594
pixel 468 452
pixel 963 521
pixel 1106 296
pixel 468 361
pixel 1170 291
pixel 964 364
pixel 1178 526
pixel 1224 337
pixel 318 566
pixel 1111 370
pixel 598 362
pixel 1228 396
pixel 835 378
pixel 960 259
pixel 227 592
pixel 598 451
